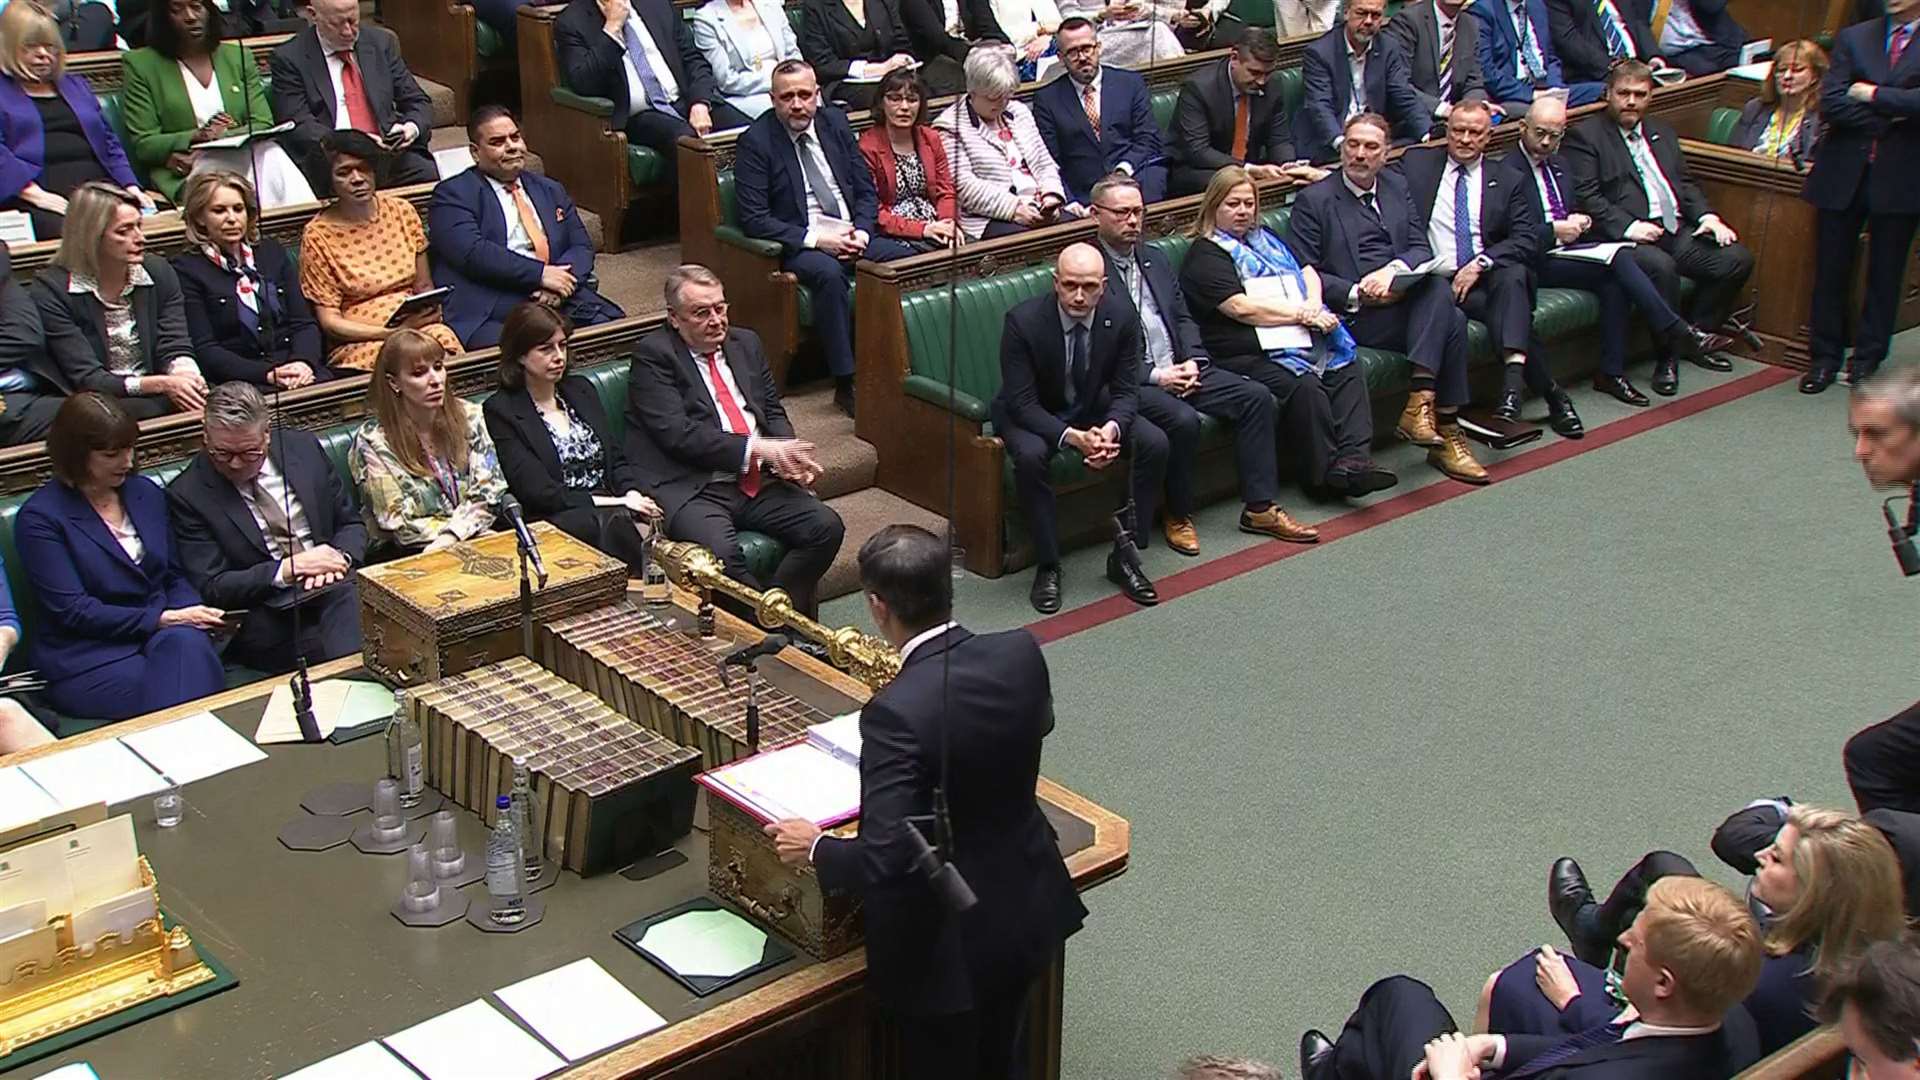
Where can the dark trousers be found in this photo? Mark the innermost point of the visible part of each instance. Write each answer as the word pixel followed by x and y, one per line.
pixel 1705 59
pixel 661 130
pixel 27 417
pixel 1146 447
pixel 1718 273
pixel 1239 401
pixel 1388 1034
pixel 830 280
pixel 1427 326
pixel 606 528
pixel 1603 922
pixel 1517 1007
pixel 809 529
pixel 1620 284
pixel 989 1043
pixel 175 665
pixel 1883 763
pixel 1503 300
pixel 1323 420
pixel 1187 180
pixel 329 629
pixel 1836 239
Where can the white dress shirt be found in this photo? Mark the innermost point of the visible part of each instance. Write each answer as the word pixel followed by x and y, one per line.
pixel 636 95
pixel 1153 324
pixel 128 536
pixel 277 490
pixel 1399 265
pixel 517 239
pixel 205 98
pixel 1682 30
pixel 1357 89
pixel 702 362
pixel 1652 180
pixel 335 66
pixel 1440 223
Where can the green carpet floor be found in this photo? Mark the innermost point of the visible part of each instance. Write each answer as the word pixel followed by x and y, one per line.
pixel 1360 761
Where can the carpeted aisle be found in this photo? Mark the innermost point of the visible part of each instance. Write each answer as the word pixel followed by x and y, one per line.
pixel 1361 759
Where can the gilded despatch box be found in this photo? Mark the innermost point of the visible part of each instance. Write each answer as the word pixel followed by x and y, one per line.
pixel 443 612
pixel 743 869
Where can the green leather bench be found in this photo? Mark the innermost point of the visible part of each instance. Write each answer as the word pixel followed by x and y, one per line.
pixel 1720 125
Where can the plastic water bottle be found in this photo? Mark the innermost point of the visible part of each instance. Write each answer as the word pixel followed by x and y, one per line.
pixel 506 888
pixel 522 796
pixel 404 761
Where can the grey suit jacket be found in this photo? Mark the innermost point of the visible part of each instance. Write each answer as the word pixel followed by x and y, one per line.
pixel 302 91
pixel 1416 31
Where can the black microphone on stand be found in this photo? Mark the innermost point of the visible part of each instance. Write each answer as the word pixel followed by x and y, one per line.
pixel 766 646
pixel 300 684
pixel 1901 534
pixel 510 506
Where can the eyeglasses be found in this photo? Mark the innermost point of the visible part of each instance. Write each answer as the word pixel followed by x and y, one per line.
pixel 1121 212
pixel 236 457
pixel 1080 50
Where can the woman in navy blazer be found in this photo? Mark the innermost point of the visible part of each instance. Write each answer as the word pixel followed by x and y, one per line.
pixel 37 100
pixel 230 278
pixel 122 632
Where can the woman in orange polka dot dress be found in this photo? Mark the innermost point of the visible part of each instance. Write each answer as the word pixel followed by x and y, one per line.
pixel 363 255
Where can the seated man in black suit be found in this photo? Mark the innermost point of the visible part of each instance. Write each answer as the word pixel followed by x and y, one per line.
pixel 1353 69
pixel 1632 180
pixel 1692 955
pixel 641 55
pixel 1442 45
pixel 1230 113
pixel 1099 119
pixel 1179 381
pixel 338 74
pixel 708 437
pixel 960 983
pixel 265 524
pixel 1485 230
pixel 799 179
pixel 1070 364
pixel 1360 228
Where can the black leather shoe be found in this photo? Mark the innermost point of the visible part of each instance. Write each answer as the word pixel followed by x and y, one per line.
pixel 1509 407
pixel 1315 1048
pixel 1561 417
pixel 1567 893
pixel 1619 389
pixel 1046 590
pixel 1132 580
pixel 1816 380
pixel 1666 377
pixel 1360 476
pixel 1698 347
pixel 1859 373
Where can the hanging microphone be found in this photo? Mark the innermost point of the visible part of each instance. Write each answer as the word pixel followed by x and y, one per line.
pixel 510 506
pixel 766 646
pixel 1901 536
pixel 940 875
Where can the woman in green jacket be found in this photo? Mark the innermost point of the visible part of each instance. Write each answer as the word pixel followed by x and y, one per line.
pixel 186 88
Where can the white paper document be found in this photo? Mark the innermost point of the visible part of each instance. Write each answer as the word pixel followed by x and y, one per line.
pixel 839 736
pixel 103 861
pixel 193 748
pixel 104 772
pixel 22 800
pixel 1269 290
pixel 796 781
pixel 16 227
pixel 453 161
pixel 473 1041
pixel 1600 253
pixel 580 1009
pixel 79 1070
pixel 336 703
pixel 368 1061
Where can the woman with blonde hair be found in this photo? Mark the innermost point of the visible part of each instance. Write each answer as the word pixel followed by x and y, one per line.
pixel 424 463
pixel 1828 885
pixel 53 136
pixel 1784 121
pixel 245 312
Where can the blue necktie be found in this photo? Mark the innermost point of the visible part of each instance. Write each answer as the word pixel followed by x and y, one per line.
pixel 1616 41
pixel 1463 252
pixel 1559 1053
pixel 656 94
pixel 1077 364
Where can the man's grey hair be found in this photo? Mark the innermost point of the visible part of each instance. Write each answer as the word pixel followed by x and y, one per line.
pixel 990 70
pixel 1897 386
pixel 1210 1067
pixel 686 274
pixel 236 406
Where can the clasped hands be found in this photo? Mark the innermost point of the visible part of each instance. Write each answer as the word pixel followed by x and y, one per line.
pixel 791 460
pixel 1377 287
pixel 843 244
pixel 557 283
pixel 1454 1056
pixel 1178 379
pixel 318 567
pixel 1100 446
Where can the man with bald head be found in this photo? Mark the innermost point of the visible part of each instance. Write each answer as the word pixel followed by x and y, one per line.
pixel 1070 365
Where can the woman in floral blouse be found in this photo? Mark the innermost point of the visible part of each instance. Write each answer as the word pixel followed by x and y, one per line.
pixel 424 464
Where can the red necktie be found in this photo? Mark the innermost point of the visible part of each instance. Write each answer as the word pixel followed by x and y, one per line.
pixel 359 110
pixel 734 419
pixel 1897 47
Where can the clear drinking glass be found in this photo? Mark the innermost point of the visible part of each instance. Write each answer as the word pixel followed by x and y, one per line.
pixel 169 806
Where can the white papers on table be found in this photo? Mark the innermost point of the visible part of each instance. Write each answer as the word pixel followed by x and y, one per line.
pixel 1274 290
pixel 101 772
pixel 20 918
pixel 1759 71
pixel 580 1009
pixel 796 781
pixel 16 227
pixel 92 873
pixel 1600 253
pixel 1754 50
pixel 839 736
pixel 22 800
pixel 368 1061
pixel 336 703
pixel 193 748
pixel 79 1070
pixel 102 860
pixel 473 1040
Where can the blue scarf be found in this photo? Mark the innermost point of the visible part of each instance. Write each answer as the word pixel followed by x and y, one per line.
pixel 1263 255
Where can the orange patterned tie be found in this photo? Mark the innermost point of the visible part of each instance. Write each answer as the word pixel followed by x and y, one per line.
pixel 1088 102
pixel 529 220
pixel 1240 128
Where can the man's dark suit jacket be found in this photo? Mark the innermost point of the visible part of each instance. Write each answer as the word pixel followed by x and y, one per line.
pixel 1582 42
pixel 675 440
pixel 994 694
pixel 1500 48
pixel 1162 279
pixel 75 357
pixel 1327 217
pixel 302 92
pixel 467 237
pixel 1329 86
pixel 1520 171
pixel 1714 1056
pixel 770 192
pixel 1128 131
pixel 22 340
pixel 222 550
pixel 1033 368
pixel 1608 185
pixel 591 62
pixel 1854 128
pixel 831 40
pixel 224 347
pixel 529 460
pixel 1510 219
pixel 1203 123
pixel 1416 30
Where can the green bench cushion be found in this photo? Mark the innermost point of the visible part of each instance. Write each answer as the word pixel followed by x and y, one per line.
pixel 1720 125
pixel 487 41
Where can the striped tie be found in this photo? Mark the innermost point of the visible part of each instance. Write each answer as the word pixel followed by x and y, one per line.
pixel 1609 22
pixel 1446 62
pixel 1561 1052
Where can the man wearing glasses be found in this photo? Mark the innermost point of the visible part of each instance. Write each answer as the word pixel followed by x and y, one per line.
pixel 265 524
pixel 1617 283
pixel 1098 119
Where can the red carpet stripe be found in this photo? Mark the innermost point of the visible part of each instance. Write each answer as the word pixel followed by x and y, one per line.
pixel 1172 587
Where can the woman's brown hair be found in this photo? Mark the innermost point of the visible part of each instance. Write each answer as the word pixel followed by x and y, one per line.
pixel 404 351
pixel 528 327
pixel 1222 185
pixel 1808 53
pixel 1850 891
pixel 87 423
